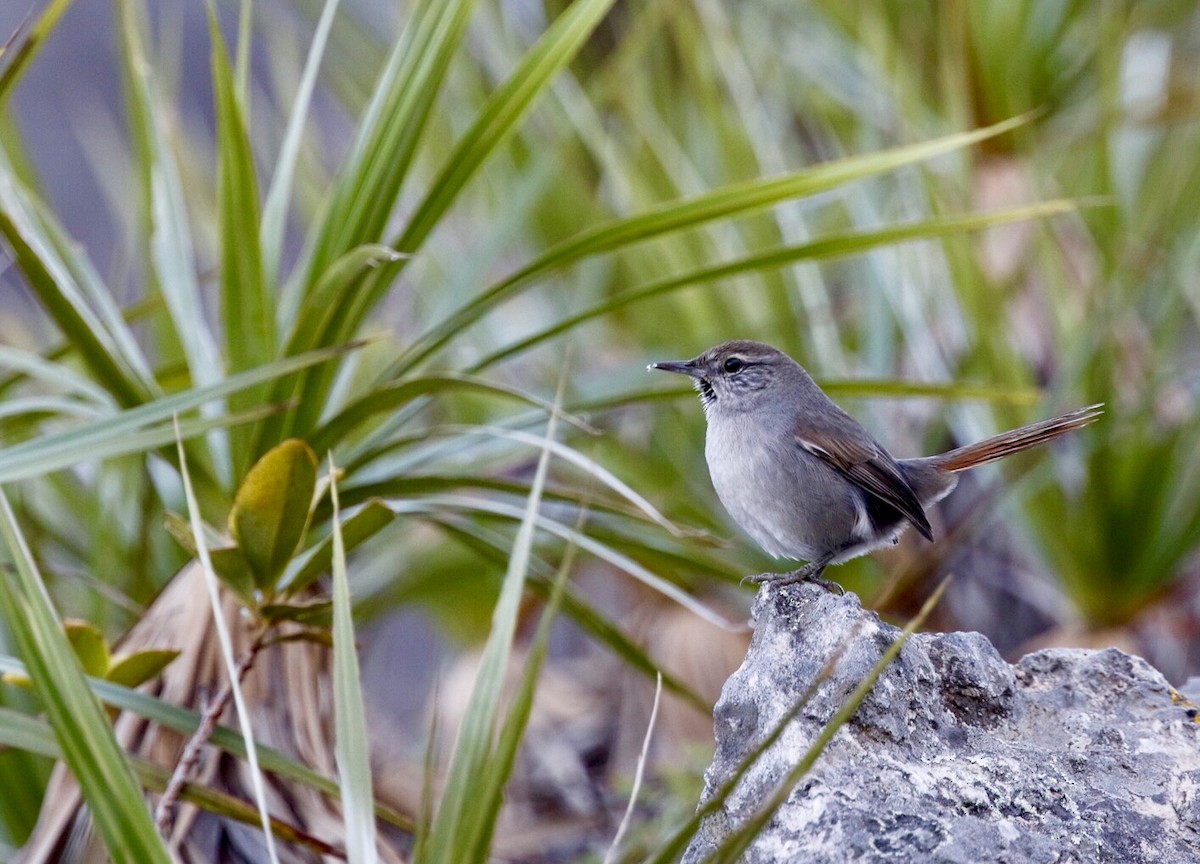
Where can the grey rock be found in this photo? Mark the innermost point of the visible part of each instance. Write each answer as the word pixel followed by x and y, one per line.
pixel 956 755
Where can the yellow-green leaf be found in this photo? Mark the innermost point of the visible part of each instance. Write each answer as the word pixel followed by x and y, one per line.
pixel 272 507
pixel 89 646
pixel 136 669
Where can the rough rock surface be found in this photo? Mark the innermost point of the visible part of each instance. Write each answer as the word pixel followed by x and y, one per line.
pixel 955 756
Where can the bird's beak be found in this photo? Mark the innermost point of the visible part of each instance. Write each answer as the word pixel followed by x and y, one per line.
pixel 682 367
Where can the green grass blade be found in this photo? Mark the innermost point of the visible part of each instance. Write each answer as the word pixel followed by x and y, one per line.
pixel 89 747
pixel 449 837
pixel 492 547
pixel 370 182
pixel 29 47
pixel 727 202
pixel 186 722
pixel 468 504
pixel 26 733
pixel 116 435
pixel 247 309
pixel 490 785
pixel 274 215
pixel 505 108
pixel 172 258
pixel 352 747
pixel 835 246
pixel 212 582
pixel 50 279
pixel 388 398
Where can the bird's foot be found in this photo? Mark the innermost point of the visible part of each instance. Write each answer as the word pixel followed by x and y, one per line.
pixel 810 572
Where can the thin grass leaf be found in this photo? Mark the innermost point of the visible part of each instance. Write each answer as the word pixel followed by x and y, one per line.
pixel 735 844
pixel 493 546
pixel 29 47
pixel 500 115
pixel 390 397
pixel 610 856
pixel 835 246
pixel 185 722
pixel 505 108
pixel 352 747
pixel 172 258
pixel 368 521
pixel 274 215
pixel 464 503
pixel 142 428
pixel 448 838
pixel 226 643
pixel 247 309
pixel 490 784
pixel 727 202
pixel 50 279
pixel 89 747
pixel 312 320
pixel 27 733
pixel 58 376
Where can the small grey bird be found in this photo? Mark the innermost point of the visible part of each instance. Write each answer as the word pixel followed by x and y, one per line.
pixel 804 478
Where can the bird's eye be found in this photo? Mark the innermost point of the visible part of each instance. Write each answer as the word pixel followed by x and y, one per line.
pixel 733 365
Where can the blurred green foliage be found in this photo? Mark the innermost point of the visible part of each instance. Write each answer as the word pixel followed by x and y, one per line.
pixel 497 196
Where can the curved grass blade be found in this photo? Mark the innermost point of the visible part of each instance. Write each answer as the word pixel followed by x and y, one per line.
pixel 247 310
pixel 186 722
pixel 51 280
pixel 490 784
pixel 27 733
pixel 82 728
pixel 29 47
pixel 465 503
pixel 388 398
pixel 141 428
pixel 450 836
pixel 493 546
pixel 224 640
pixel 500 115
pixel 274 214
pixel 836 246
pixel 728 202
pixel 352 746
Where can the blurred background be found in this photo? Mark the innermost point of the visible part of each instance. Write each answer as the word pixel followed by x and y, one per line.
pixel 916 296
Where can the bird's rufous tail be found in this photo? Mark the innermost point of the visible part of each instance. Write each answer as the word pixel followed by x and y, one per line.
pixel 1007 443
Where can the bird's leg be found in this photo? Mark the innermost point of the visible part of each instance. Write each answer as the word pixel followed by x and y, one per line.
pixel 810 572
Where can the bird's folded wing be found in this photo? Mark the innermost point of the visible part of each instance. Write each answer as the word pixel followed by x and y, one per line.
pixel 864 465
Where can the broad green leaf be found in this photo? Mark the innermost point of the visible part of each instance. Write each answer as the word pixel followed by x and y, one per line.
pixel 89 646
pixel 134 670
pixel 271 510
pixel 352 744
pixel 89 747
